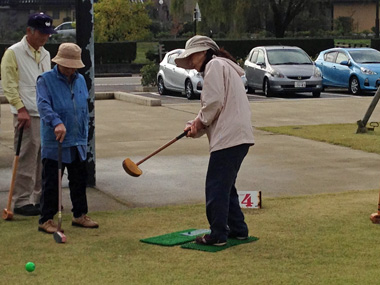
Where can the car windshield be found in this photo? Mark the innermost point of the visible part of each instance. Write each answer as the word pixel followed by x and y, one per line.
pixel 288 56
pixel 365 56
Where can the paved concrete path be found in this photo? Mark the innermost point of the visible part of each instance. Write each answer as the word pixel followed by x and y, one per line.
pixel 277 165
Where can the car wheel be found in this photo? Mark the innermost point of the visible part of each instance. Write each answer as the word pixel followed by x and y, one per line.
pixel 316 94
pixel 354 85
pixel 161 86
pixel 189 90
pixel 250 90
pixel 267 91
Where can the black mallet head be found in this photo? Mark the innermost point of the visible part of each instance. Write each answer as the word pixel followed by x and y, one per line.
pixel 59 237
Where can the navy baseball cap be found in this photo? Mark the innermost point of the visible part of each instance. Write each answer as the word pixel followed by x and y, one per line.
pixel 42 22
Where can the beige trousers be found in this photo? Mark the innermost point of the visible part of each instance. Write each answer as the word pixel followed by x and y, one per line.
pixel 27 188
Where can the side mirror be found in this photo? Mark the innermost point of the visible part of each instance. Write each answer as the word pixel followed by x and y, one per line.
pixel 346 62
pixel 262 64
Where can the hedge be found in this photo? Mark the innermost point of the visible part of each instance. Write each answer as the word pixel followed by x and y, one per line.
pixel 105 53
pixel 375 43
pixel 241 48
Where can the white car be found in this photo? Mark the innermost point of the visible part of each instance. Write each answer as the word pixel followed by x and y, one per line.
pixel 170 77
pixel 66 29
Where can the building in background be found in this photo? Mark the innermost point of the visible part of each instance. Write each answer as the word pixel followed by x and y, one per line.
pixel 14 14
pixel 362 13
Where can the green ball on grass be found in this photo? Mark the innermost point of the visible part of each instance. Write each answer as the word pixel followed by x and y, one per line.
pixel 30 266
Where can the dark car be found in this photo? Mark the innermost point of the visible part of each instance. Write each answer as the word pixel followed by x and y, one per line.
pixel 282 69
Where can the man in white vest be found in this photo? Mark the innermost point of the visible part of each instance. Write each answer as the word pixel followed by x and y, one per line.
pixel 21 64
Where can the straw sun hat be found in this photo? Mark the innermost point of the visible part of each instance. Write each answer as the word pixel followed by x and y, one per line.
pixel 69 55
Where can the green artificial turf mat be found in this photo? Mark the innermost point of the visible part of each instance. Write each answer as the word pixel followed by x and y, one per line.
pixel 175 238
pixel 213 248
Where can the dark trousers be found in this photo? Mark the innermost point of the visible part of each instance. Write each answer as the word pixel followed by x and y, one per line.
pixel 77 176
pixel 222 202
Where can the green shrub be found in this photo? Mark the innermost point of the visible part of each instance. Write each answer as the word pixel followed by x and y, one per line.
pixel 149 74
pixel 152 55
pixel 164 35
pixel 343 25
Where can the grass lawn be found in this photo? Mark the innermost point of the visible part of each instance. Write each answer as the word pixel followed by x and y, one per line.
pixel 339 134
pixel 142 48
pixel 320 239
pixel 316 239
pixel 354 42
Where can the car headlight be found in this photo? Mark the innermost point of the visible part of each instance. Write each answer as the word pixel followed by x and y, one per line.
pixel 277 74
pixel 367 71
pixel 317 72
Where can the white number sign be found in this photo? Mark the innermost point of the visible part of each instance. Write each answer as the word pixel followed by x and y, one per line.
pixel 250 199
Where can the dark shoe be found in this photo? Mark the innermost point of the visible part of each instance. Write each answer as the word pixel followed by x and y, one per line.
pixel 237 236
pixel 208 240
pixel 85 222
pixel 49 227
pixel 27 210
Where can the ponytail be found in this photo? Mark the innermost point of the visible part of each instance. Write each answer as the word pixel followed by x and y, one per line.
pixel 221 53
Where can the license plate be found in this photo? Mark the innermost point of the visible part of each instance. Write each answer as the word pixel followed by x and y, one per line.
pixel 300 84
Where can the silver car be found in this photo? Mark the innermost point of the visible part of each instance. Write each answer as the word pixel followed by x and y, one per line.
pixel 170 77
pixel 66 29
pixel 282 69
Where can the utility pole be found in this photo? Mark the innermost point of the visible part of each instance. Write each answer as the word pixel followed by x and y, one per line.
pixel 196 17
pixel 195 21
pixel 85 39
pixel 377 20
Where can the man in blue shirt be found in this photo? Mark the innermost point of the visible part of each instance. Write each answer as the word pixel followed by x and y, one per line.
pixel 62 103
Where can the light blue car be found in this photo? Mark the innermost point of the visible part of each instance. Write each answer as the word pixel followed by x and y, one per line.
pixel 357 69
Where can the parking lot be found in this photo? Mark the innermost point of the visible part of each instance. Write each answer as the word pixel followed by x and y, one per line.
pixel 132 84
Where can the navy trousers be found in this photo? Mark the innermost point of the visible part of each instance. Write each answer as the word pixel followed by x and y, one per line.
pixel 222 202
pixel 77 176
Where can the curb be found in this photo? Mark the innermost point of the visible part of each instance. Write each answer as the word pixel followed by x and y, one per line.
pixel 128 97
pixel 146 89
pixel 113 74
pixel 123 96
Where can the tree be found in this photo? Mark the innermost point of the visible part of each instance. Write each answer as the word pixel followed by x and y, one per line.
pixel 344 25
pixel 225 15
pixel 284 11
pixel 121 20
pixel 235 18
pixel 220 16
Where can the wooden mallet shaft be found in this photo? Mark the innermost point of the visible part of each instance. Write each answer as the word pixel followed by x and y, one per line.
pixel 7 213
pixel 132 168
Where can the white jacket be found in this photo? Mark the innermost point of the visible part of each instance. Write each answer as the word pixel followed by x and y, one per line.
pixel 28 71
pixel 225 111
